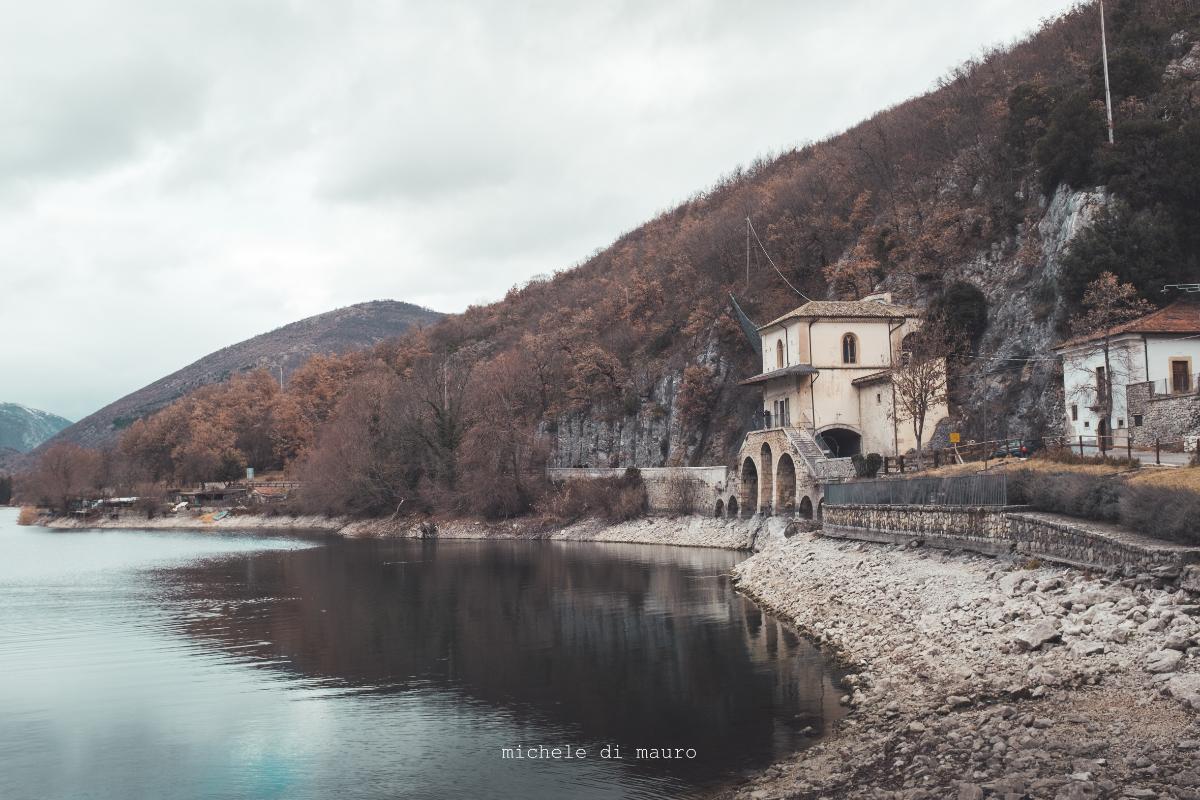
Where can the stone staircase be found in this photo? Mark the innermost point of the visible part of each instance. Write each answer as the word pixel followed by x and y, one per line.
pixel 817 457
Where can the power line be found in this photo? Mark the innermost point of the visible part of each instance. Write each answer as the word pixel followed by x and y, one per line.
pixel 750 228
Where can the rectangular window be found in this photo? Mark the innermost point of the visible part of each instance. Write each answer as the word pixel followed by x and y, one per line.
pixel 878 398
pixel 1120 423
pixel 1087 424
pixel 1074 413
pixel 1137 420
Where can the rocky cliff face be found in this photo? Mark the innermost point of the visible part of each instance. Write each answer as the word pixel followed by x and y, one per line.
pixel 655 434
pixel 1013 386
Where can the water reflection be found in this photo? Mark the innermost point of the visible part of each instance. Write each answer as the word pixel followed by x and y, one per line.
pixel 414 664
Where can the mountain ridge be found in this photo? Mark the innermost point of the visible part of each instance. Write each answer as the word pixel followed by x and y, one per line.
pixel 23 428
pixel 357 326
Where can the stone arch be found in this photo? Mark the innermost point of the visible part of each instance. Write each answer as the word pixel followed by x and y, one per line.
pixel 806 509
pixel 843 440
pixel 731 508
pixel 785 484
pixel 779 354
pixel 766 478
pixel 720 512
pixel 748 486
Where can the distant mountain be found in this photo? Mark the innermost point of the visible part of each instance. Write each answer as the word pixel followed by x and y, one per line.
pixel 350 328
pixel 23 428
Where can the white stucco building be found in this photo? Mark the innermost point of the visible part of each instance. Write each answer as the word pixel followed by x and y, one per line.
pixel 827 394
pixel 1161 349
pixel 826 368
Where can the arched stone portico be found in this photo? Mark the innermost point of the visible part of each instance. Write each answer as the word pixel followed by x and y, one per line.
pixel 785 484
pixel 747 487
pixel 766 473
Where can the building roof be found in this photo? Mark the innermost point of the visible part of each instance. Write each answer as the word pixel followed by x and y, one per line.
pixel 845 308
pixel 795 369
pixel 874 377
pixel 1181 317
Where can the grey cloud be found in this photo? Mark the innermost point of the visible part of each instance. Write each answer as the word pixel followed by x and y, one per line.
pixel 175 176
pixel 66 125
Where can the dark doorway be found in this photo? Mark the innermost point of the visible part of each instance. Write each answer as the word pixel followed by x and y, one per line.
pixel 842 442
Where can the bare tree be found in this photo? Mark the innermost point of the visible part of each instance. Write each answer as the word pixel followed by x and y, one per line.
pixel 64 474
pixel 1107 304
pixel 683 493
pixel 920 379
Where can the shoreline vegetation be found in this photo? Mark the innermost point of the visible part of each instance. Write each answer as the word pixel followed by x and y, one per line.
pixel 967 675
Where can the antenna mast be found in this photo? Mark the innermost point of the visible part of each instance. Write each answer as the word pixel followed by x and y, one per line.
pixel 1107 91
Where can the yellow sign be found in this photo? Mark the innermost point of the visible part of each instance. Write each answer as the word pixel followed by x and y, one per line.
pixel 954 438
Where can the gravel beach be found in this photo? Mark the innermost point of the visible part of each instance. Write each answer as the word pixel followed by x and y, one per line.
pixel 976 677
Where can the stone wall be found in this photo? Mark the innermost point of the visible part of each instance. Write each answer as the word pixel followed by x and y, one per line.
pixel 1166 417
pixel 712 483
pixel 998 530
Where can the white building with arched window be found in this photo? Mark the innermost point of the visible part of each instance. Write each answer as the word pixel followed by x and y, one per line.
pixel 826 369
pixel 826 394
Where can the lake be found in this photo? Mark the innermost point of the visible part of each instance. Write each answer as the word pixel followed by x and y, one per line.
pixel 138 664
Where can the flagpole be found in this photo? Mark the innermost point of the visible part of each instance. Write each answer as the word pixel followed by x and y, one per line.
pixel 1107 91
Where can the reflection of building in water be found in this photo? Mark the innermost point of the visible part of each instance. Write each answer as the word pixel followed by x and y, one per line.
pixel 621 642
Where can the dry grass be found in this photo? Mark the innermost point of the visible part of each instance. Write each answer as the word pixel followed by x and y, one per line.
pixel 1173 477
pixel 27 515
pixel 1034 464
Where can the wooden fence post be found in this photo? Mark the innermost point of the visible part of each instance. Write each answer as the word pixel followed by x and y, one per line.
pixel 1157 451
pixel 1081 445
pixel 901 464
pixel 1128 445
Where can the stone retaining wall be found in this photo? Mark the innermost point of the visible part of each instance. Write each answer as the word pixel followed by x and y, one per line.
pixel 1166 417
pixel 998 530
pixel 712 483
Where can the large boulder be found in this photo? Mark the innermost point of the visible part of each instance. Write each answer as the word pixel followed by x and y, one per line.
pixel 1031 637
pixel 1185 689
pixel 1163 661
pixel 1189 578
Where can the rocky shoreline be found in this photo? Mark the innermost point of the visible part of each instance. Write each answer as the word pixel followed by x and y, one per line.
pixel 691 531
pixel 973 676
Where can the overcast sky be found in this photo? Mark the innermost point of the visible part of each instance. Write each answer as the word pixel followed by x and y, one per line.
pixel 178 176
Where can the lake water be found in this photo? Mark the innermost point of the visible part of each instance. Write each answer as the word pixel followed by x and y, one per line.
pixel 195 665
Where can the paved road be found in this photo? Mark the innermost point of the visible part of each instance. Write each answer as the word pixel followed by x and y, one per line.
pixel 1146 456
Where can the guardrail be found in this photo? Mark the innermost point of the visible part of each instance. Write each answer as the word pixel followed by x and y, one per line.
pixel 984 489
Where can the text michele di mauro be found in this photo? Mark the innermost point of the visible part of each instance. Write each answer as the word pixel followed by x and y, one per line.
pixel 607 752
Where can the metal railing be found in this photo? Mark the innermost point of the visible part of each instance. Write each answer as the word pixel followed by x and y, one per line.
pixel 987 489
pixel 1175 385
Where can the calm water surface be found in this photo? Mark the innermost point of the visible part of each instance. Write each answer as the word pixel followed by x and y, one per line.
pixel 179 665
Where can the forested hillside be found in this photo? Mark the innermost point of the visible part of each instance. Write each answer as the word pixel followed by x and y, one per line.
pixel 994 197
pixel 284 349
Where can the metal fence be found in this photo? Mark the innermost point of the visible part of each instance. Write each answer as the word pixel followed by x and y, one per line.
pixel 965 490
pixel 1176 384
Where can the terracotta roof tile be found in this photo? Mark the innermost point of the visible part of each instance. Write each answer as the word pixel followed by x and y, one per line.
pixel 845 308
pixel 1182 316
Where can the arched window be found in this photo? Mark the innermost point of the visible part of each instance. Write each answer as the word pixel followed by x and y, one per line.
pixel 849 349
pixel 779 354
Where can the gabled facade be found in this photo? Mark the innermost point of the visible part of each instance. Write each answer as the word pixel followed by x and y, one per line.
pixel 1156 356
pixel 827 395
pixel 826 369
